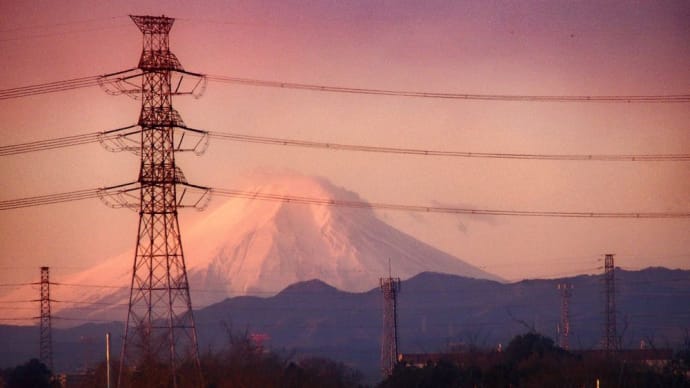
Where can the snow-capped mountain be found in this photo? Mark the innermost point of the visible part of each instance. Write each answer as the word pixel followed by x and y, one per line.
pixel 259 248
pixel 254 247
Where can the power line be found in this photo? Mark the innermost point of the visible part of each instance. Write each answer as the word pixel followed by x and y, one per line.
pixel 418 290
pixel 19 319
pixel 85 319
pixel 671 98
pixel 464 154
pixel 88 285
pixel 58 86
pixel 69 141
pixel 75 83
pixel 61 142
pixel 49 199
pixel 42 145
pixel 66 32
pixel 91 303
pixel 50 87
pixel 19 301
pixel 19 284
pixel 61 24
pixel 438 209
pixel 250 195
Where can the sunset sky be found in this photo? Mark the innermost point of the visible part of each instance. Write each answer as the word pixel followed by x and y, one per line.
pixel 481 47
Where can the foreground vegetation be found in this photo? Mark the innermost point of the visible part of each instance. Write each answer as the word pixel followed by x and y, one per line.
pixel 530 360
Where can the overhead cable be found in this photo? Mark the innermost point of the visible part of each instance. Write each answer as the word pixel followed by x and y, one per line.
pixel 430 152
pixel 60 86
pixel 42 145
pixel 93 193
pixel 68 141
pixel 657 98
pixel 50 87
pixel 75 83
pixel 60 142
pixel 437 209
pixel 49 199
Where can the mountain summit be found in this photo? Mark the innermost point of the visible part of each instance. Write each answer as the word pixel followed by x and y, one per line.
pixel 259 247
pixel 255 247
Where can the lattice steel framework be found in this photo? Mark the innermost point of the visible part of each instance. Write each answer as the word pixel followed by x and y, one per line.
pixel 160 324
pixel 46 345
pixel 389 343
pixel 610 335
pixel 564 327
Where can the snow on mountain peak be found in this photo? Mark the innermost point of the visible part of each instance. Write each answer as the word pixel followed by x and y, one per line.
pixel 261 247
pixel 255 247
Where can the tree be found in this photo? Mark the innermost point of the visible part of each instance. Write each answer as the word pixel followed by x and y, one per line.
pixel 33 374
pixel 532 344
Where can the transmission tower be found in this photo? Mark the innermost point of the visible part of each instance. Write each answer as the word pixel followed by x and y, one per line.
pixel 389 344
pixel 46 351
pixel 564 328
pixel 611 337
pixel 160 324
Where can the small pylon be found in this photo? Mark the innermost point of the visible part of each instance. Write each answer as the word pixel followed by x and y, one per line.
pixel 610 337
pixel 389 343
pixel 564 328
pixel 46 348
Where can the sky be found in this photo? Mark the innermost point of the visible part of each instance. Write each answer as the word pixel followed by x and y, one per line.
pixel 482 47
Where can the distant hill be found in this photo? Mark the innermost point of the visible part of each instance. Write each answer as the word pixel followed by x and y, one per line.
pixel 435 311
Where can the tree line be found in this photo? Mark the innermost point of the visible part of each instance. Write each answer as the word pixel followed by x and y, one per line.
pixel 529 360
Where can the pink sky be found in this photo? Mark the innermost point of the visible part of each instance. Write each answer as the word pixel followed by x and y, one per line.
pixel 560 47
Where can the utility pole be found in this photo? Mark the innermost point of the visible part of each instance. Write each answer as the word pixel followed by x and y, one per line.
pixel 160 327
pixel 611 337
pixel 564 328
pixel 389 343
pixel 108 379
pixel 46 347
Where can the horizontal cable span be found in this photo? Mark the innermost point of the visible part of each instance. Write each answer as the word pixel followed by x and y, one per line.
pixel 93 193
pixel 85 285
pixel 49 199
pixel 60 142
pixel 437 209
pixel 463 154
pixel 68 141
pixel 42 145
pixel 82 82
pixel 50 87
pixel 19 319
pixel 83 319
pixel 56 86
pixel 455 96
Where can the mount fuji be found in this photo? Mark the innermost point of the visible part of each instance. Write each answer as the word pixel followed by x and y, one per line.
pixel 253 247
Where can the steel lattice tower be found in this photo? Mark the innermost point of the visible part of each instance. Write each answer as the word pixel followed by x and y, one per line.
pixel 564 328
pixel 46 351
pixel 611 337
pixel 389 343
pixel 160 323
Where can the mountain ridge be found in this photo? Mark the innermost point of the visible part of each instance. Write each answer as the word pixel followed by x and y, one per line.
pixel 312 318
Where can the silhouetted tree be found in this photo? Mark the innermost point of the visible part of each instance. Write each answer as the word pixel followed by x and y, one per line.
pixel 244 364
pixel 32 374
